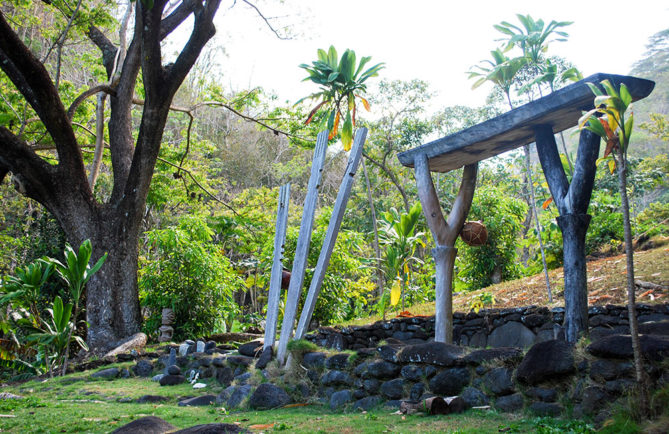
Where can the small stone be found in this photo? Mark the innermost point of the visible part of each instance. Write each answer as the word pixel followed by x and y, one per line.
pixel 199 386
pixel 151 399
pixel 218 361
pixel 173 370
pixel 224 376
pixel 367 403
pixel 157 377
pixel 199 347
pixel 209 347
pixel 315 360
pixel 337 361
pixel 183 349
pixel 382 369
pixel 264 358
pixel 242 379
pixel 125 399
pixel 336 378
pixel 416 391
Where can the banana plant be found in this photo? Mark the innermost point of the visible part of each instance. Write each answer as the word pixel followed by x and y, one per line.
pixel 533 37
pixel 342 81
pixel 501 71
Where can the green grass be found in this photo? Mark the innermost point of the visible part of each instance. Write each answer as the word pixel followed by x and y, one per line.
pixel 77 404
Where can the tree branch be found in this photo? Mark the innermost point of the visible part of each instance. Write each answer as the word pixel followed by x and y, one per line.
pixel 266 20
pixel 87 93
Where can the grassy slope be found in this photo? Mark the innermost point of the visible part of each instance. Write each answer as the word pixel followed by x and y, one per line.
pixel 606 285
pixel 77 404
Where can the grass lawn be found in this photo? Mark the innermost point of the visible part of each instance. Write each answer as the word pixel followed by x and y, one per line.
pixel 78 404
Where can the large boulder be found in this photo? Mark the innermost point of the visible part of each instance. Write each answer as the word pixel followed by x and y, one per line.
pixel 145 425
pixel 267 395
pixel 172 380
pixel 546 360
pixel 367 403
pixel 238 395
pixel 265 358
pixel 655 347
pixel 474 397
pixel 143 368
pixel 135 342
pixel 509 403
pixel 450 381
pixel 655 328
pixel 511 334
pixel 315 360
pixel 336 378
pixel 381 369
pixel 106 373
pixel 337 361
pixel 337 399
pixel 393 389
pixel 433 353
pixel 198 401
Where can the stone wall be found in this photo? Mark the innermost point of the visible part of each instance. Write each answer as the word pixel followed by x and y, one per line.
pixel 516 327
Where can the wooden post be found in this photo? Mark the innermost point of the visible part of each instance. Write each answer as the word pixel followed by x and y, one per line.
pixel 277 266
pixel 572 202
pixel 445 234
pixel 331 235
pixel 302 249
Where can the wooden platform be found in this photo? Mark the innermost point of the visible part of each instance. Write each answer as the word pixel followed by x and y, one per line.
pixel 561 109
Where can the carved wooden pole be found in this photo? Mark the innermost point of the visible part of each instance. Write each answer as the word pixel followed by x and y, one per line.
pixel 331 235
pixel 277 266
pixel 302 248
pixel 572 202
pixel 444 233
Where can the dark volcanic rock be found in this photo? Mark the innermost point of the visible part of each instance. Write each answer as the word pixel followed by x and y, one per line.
pixel 382 369
pixel 654 347
pixel 389 352
pixel 511 334
pixel 594 398
pixel 314 360
pixel 340 398
pixel 251 349
pixel 213 428
pixel 502 354
pixel 602 370
pixel 654 328
pixel 412 372
pixel 367 403
pixel 542 394
pixel 106 373
pixel 239 393
pixel 499 381
pixel 393 389
pixel 267 395
pixel 225 376
pixel 243 361
pixel 143 368
pixel 172 380
pixel 173 370
pixel 265 358
pixel 509 403
pixel 474 397
pixel 198 401
pixel 416 391
pixel 151 398
pixel 336 378
pixel 337 361
pixel 145 425
pixel 433 353
pixel 450 381
pixel 546 360
pixel 545 409
pixel 371 385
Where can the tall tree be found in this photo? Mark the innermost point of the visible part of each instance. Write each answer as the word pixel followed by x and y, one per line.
pixel 112 305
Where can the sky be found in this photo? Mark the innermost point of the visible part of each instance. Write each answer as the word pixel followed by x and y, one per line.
pixel 436 41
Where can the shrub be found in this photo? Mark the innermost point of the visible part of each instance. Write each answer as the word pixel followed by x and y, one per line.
pixel 188 273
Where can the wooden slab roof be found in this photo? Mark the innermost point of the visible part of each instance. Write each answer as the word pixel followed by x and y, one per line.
pixel 560 109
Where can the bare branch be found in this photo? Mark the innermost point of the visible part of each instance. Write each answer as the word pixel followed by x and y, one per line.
pixel 91 91
pixel 267 21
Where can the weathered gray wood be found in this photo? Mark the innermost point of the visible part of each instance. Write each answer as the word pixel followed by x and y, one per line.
pixel 572 201
pixel 277 266
pixel 331 235
pixel 561 109
pixel 445 234
pixel 302 248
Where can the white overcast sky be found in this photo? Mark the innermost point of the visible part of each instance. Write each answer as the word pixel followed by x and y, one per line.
pixel 437 41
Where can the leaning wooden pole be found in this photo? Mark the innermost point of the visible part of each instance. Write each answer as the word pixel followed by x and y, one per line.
pixel 331 235
pixel 277 266
pixel 302 249
pixel 445 232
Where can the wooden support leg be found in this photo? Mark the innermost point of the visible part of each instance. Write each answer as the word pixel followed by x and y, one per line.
pixel 444 233
pixel 444 260
pixel 572 200
pixel 574 228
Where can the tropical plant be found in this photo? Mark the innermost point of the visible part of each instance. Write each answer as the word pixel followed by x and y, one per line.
pixel 501 71
pixel 400 236
pixel 54 335
pixel 76 272
pixel 613 104
pixel 342 81
pixel 23 289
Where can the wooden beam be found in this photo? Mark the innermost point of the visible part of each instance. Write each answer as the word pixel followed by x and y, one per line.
pixel 302 249
pixel 277 266
pixel 560 109
pixel 331 235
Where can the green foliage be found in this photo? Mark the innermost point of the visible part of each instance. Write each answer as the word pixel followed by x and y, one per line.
pixel 502 216
pixel 654 220
pixel 342 81
pixel 187 272
pixel 23 289
pixel 301 346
